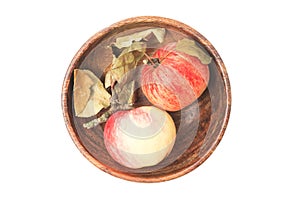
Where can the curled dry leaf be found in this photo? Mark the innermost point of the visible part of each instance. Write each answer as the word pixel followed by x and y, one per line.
pixel 190 47
pixel 127 40
pixel 128 51
pixel 122 98
pixel 89 94
pixel 126 61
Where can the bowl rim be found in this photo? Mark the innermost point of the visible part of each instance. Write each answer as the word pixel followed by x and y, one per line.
pixel 146 20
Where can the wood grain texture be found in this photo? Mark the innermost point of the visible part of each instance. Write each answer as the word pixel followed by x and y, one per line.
pixel 200 126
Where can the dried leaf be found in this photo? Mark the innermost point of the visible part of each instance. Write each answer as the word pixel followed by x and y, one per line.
pixel 127 40
pixel 190 47
pixel 122 98
pixel 125 62
pixel 125 94
pixel 89 94
pixel 108 79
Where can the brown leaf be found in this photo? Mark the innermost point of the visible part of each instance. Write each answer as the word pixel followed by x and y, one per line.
pixel 125 62
pixel 190 47
pixel 123 98
pixel 125 94
pixel 89 94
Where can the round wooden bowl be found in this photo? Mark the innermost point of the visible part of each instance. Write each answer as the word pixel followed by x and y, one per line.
pixel 200 126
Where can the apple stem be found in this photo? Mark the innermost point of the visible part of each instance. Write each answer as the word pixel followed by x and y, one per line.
pixel 148 57
pixel 154 61
pixel 165 56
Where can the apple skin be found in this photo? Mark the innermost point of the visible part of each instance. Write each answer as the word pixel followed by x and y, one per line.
pixel 176 81
pixel 140 137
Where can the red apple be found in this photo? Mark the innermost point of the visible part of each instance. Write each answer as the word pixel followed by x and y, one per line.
pixel 175 80
pixel 139 137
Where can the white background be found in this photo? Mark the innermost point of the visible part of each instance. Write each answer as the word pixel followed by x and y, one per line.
pixel 258 157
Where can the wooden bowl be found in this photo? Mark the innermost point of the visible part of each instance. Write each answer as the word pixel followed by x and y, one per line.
pixel 200 126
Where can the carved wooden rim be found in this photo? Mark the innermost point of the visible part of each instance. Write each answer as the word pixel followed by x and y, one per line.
pixel 91 43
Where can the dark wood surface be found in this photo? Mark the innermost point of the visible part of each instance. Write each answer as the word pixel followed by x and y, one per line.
pixel 200 126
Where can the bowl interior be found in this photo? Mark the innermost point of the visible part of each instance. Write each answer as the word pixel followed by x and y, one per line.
pixel 200 126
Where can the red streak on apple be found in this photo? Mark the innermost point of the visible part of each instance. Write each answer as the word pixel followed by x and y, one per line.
pixel 139 137
pixel 177 81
